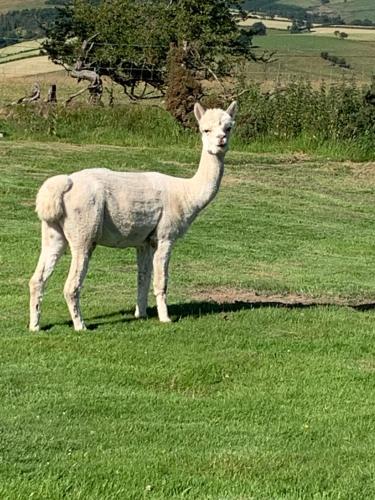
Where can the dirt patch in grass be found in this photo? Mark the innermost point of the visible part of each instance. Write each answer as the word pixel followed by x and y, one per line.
pixel 234 295
pixel 362 171
pixel 296 157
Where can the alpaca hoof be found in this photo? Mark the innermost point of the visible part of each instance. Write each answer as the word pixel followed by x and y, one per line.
pixel 80 328
pixel 34 328
pixel 165 320
pixel 139 315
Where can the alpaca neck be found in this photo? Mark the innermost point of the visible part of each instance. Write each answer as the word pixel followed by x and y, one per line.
pixel 206 182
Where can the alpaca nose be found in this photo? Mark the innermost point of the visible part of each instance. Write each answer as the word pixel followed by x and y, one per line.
pixel 222 139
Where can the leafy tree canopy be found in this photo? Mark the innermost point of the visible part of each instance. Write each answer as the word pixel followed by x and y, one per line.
pixel 130 40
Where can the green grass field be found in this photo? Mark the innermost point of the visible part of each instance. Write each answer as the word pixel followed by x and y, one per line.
pixel 300 55
pixel 348 10
pixel 6 5
pixel 262 387
pixel 355 9
pixel 18 51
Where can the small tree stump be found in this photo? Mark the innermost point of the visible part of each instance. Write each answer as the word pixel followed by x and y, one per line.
pixel 52 97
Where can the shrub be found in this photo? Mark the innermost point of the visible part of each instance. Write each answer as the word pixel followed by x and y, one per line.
pixel 338 61
pixel 338 112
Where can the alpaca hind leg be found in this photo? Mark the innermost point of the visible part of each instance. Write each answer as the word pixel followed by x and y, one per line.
pixel 73 285
pixel 160 264
pixel 144 261
pixel 53 246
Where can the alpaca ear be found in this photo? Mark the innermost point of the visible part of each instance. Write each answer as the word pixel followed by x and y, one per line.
pixel 232 110
pixel 199 111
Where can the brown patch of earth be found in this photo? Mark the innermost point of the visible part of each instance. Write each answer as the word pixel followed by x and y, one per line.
pixel 362 170
pixel 297 157
pixel 234 295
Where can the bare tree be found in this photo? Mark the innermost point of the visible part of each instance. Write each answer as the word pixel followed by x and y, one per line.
pixel 82 71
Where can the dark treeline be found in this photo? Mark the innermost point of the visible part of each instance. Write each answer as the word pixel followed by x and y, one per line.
pixel 336 60
pixel 18 25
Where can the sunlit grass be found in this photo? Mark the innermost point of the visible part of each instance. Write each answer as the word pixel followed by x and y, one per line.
pixel 240 399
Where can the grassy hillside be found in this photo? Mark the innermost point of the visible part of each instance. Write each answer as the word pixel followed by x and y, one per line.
pixel 349 10
pixel 6 5
pixel 306 4
pixel 300 55
pixel 23 50
pixel 355 9
pixel 296 55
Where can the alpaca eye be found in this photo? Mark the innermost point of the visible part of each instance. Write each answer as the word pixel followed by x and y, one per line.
pixel 206 131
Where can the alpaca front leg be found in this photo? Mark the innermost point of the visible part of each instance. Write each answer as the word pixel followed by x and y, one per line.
pixel 160 263
pixel 53 246
pixel 144 261
pixel 73 285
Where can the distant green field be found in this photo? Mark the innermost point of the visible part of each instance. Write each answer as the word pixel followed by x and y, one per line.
pixel 355 9
pixel 301 3
pixel 300 55
pixel 23 50
pixel 20 47
pixel 6 5
pixel 349 10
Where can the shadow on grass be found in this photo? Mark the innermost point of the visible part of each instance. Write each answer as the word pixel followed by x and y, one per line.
pixel 204 308
pixel 94 325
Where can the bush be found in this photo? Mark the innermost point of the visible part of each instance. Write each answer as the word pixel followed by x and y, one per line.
pixel 258 29
pixel 337 112
pixel 338 61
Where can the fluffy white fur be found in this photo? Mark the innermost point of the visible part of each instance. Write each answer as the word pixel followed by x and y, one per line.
pixel 148 211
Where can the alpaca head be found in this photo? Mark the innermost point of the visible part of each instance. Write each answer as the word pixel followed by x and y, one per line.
pixel 215 126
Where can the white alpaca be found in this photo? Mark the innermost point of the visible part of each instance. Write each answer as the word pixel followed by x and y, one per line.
pixel 148 211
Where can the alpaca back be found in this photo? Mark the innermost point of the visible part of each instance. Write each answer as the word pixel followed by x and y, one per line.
pixel 49 200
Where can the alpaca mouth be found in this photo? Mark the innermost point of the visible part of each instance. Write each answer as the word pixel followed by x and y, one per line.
pixel 218 149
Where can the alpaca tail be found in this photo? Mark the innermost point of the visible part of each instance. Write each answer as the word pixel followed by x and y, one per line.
pixel 49 200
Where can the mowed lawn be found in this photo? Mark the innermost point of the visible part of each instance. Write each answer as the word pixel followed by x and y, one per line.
pixel 262 387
